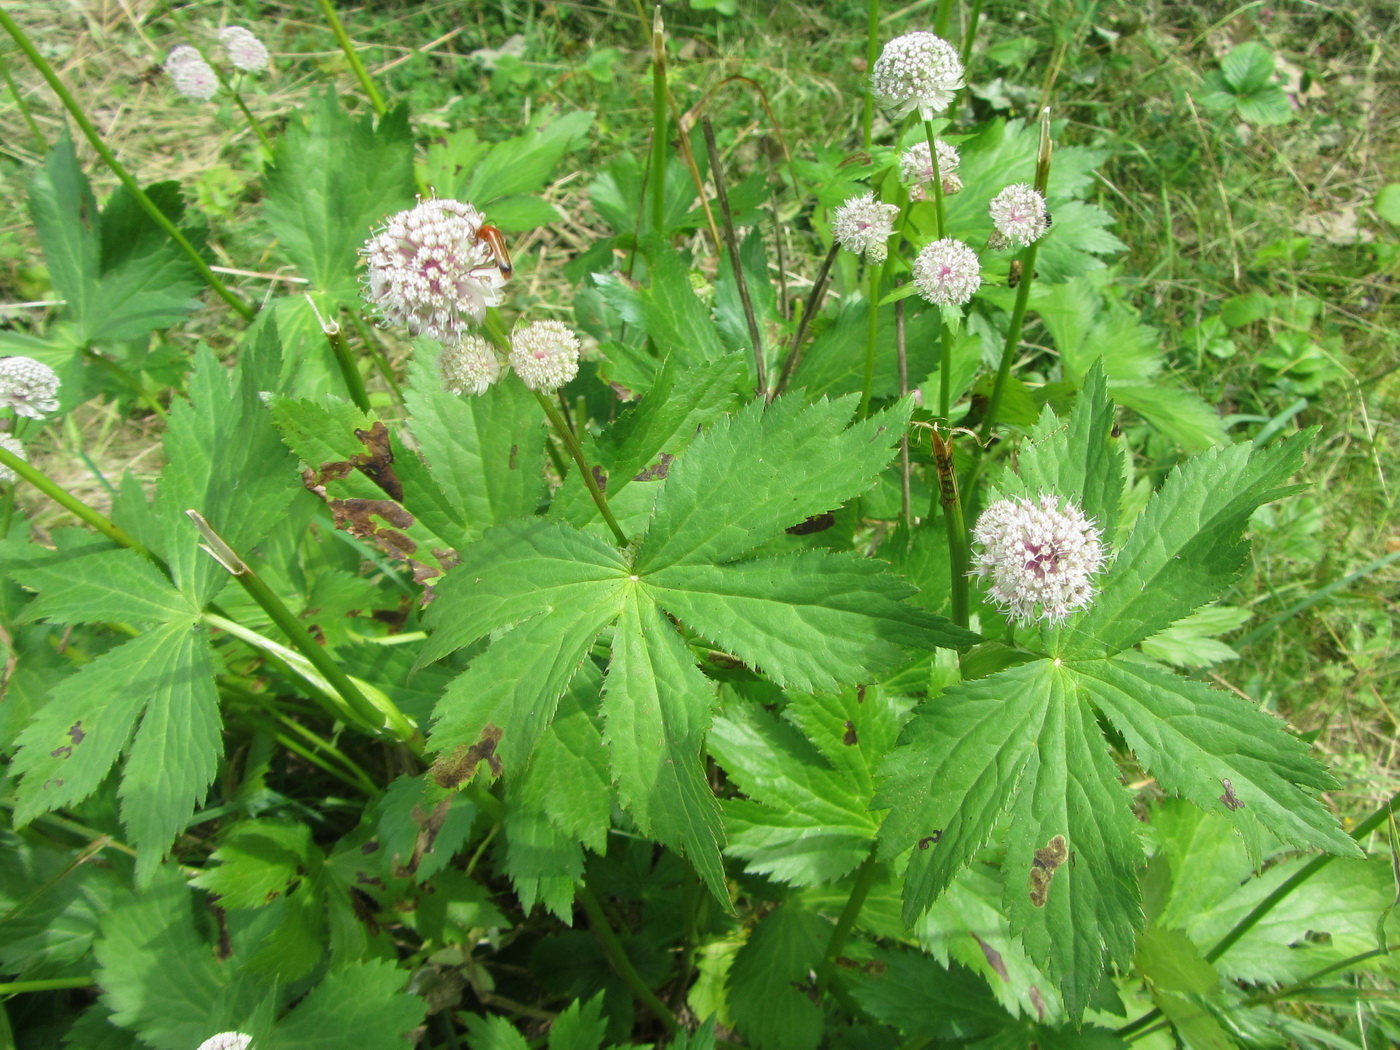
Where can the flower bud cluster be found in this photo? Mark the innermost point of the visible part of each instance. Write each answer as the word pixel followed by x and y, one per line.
pixel 12 446
pixel 28 387
pixel 192 76
pixel 244 50
pixel 916 167
pixel 864 225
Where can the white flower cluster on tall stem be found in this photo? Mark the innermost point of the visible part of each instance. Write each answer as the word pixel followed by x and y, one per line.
pixel 947 272
pixel 470 366
pixel 1040 557
pixel 12 446
pixel 430 271
pixel 28 387
pixel 916 167
pixel 192 76
pixel 244 50
pixel 917 71
pixel 864 225
pixel 1019 214
pixel 544 354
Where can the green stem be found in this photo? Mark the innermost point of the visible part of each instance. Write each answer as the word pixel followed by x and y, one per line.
pixel 159 217
pixel 872 52
pixel 617 957
pixel 371 92
pixel 972 21
pixel 1013 339
pixel 252 120
pixel 872 332
pixel 940 219
pixel 865 878
pixel 354 382
pixel 369 715
pixel 376 354
pixel 950 499
pixel 659 119
pixel 944 16
pixel 53 984
pixel 41 144
pixel 945 373
pixel 1308 981
pixel 576 451
pixel 74 506
pixel 1269 903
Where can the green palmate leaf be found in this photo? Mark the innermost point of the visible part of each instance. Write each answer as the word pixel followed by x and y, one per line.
pixel 810 620
pixel 581 1027
pixel 1193 738
pixel 835 362
pixel 656 708
pixel 783 949
pixel 65 216
pixel 1248 67
pixel 421 827
pixel 1021 741
pixel 678 323
pixel 486 452
pixel 543 863
pixel 764 470
pixel 331 180
pixel 363 1005
pixel 1078 235
pixel 523 164
pixel 68 749
pixel 928 1000
pixel 113 585
pixel 1186 547
pixel 258 859
pixel 1182 983
pixel 494 1033
pixel 1178 413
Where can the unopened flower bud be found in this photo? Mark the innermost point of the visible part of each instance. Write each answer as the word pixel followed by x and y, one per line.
pixel 864 225
pixel 1039 557
pixel 470 366
pixel 917 71
pixel 12 446
pixel 244 50
pixel 191 75
pixel 1019 214
pixel 544 354
pixel 28 387
pixel 947 272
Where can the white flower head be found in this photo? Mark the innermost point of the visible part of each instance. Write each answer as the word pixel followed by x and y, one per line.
pixel 544 354
pixel 12 446
pixel 191 75
pixel 947 272
pixel 1019 214
pixel 915 165
pixel 469 367
pixel 863 225
pixel 28 387
pixel 430 271
pixel 1040 557
pixel 226 1041
pixel 917 71
pixel 244 50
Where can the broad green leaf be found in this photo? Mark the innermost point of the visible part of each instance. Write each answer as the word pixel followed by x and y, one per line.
pixel 520 213
pixel 494 1033
pixel 543 863
pixel 66 219
pixel 519 569
pixel 258 860
pixel 928 1000
pixel 1186 547
pixel 1387 203
pixel 421 827
pixel 321 430
pixel 678 323
pixel 754 474
pixel 50 907
pixel 804 822
pixel 657 707
pixel 1193 739
pixel 834 363
pixel 1268 105
pixel 1177 412
pixel 1249 67
pixel 333 177
pixel 1078 235
pixel 813 620
pixel 1194 642
pixel 363 1005
pixel 1182 983
pixel 118 585
pixel 523 164
pixel 486 452
pixel 784 947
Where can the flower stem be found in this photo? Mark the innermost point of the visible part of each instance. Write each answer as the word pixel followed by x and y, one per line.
pixel 951 500
pixel 972 21
pixel 945 373
pixel 617 956
pixel 865 878
pixel 872 52
pixel 659 122
pixel 40 143
pixel 940 219
pixel 52 984
pixel 873 271
pixel 1013 339
pixel 352 56
pixel 354 382
pixel 159 217
pixel 70 503
pixel 576 451
pixel 943 17
pixel 809 310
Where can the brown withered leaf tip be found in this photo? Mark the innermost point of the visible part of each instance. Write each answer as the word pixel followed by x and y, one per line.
pixel 460 766
pixel 658 470
pixel 849 737
pixel 1231 800
pixel 816 523
pixel 429 824
pixel 993 957
pixel 1047 861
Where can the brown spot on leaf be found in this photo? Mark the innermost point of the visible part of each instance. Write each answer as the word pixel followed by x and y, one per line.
pixel 657 470
pixel 61 752
pixel 460 766
pixel 514 451
pixel 816 523
pixel 76 734
pixel 860 694
pixel 372 846
pixel 600 478
pixel 849 738
pixel 1043 867
pixel 1038 1001
pixel 993 957
pixel 429 824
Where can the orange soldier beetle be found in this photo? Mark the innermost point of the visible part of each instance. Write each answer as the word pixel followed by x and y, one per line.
pixel 493 237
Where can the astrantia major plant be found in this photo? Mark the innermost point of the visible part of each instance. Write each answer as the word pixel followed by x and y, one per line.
pixel 636 648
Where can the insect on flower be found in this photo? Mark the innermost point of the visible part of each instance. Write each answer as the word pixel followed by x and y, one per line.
pixel 497 242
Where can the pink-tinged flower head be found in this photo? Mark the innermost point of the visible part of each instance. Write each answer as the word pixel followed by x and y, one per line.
pixel 12 446
pixel 947 272
pixel 226 1041
pixel 1019 214
pixel 863 225
pixel 244 50
pixel 916 167
pixel 470 366
pixel 430 272
pixel 1039 557
pixel 544 354
pixel 191 75
pixel 28 387
pixel 917 71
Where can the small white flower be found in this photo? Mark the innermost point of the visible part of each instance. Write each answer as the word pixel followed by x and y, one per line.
pixel 1019 214
pixel 226 1041
pixel 13 446
pixel 863 225
pixel 947 272
pixel 915 165
pixel 244 50
pixel 1039 554
pixel 469 367
pixel 28 387
pixel 544 354
pixel 429 271
pixel 917 71
pixel 190 74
